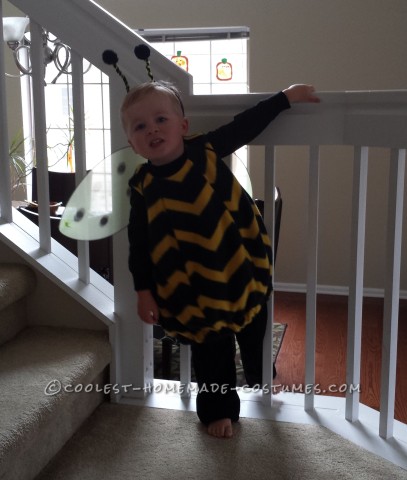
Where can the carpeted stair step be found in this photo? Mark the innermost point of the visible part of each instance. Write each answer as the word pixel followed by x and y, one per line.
pixel 16 282
pixel 35 421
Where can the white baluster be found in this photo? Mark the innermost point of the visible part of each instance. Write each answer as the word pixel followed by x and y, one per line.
pixel 392 292
pixel 312 261
pixel 355 302
pixel 5 181
pixel 185 371
pixel 80 152
pixel 38 70
pixel 269 220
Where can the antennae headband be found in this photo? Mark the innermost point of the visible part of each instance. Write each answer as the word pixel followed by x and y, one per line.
pixel 141 51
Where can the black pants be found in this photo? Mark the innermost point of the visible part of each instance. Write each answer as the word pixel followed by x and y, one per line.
pixel 215 369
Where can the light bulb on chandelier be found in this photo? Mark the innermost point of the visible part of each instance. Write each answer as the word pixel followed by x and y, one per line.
pixel 54 50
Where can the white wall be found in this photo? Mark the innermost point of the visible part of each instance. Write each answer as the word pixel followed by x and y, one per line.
pixel 336 45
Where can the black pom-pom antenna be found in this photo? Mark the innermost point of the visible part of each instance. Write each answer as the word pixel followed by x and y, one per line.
pixel 110 58
pixel 141 51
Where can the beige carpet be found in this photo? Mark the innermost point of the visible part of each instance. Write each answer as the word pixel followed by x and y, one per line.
pixel 127 442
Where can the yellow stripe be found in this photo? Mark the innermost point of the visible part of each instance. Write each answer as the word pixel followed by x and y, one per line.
pixel 233 203
pixel 211 243
pixel 204 301
pixel 261 262
pixel 266 239
pixel 252 231
pixel 224 275
pixel 147 180
pixel 211 170
pixel 185 316
pixel 196 207
pixel 166 243
pixel 155 209
pixel 182 173
pixel 216 327
pixel 178 277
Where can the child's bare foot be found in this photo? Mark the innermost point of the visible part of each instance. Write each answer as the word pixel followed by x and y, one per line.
pixel 221 428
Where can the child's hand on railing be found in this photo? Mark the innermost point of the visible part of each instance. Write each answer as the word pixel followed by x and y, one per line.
pixel 301 93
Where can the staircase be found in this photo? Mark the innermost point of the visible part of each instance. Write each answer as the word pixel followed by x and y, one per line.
pixel 51 379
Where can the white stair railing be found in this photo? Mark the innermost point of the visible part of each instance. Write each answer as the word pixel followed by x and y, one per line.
pixel 362 125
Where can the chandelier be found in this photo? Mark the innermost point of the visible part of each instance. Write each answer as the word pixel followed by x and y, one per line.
pixel 54 50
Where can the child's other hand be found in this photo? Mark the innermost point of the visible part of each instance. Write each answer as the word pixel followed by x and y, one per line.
pixel 147 307
pixel 301 93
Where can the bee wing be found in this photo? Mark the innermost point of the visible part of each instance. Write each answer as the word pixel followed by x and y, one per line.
pixel 242 174
pixel 100 205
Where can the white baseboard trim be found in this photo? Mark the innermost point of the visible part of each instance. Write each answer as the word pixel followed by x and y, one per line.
pixel 332 290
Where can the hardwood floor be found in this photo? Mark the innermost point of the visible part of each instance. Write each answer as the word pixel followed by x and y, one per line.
pixel 331 347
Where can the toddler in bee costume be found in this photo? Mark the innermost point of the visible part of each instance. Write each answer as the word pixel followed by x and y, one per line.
pixel 200 256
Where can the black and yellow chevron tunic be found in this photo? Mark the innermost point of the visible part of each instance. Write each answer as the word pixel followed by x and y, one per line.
pixel 197 240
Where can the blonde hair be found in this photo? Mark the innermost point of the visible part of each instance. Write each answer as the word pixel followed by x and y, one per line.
pixel 144 89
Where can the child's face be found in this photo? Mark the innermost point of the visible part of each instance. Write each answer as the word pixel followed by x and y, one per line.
pixel 155 128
